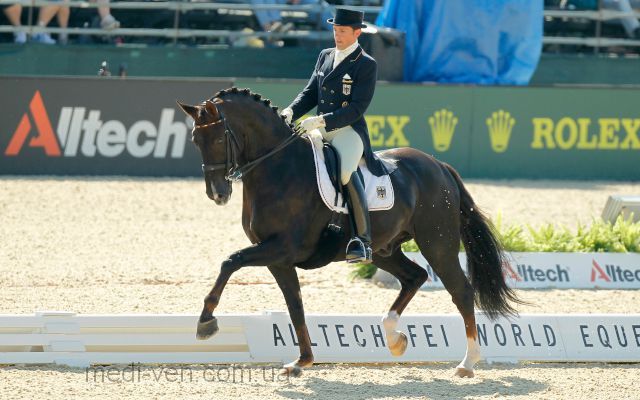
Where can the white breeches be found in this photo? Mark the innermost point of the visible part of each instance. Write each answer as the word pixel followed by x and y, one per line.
pixel 350 148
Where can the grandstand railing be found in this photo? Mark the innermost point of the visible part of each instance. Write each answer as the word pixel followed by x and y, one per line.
pixel 175 32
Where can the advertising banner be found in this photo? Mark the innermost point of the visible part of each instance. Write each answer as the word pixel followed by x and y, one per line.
pixel 132 127
pixel 360 338
pixel 552 270
pixel 503 132
pixel 99 126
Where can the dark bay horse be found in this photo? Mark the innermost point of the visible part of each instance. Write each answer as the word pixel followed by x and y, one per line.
pixel 241 135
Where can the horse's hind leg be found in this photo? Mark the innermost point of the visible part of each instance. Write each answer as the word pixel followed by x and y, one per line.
pixel 442 255
pixel 411 277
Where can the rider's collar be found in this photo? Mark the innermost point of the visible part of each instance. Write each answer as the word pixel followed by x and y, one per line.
pixel 342 54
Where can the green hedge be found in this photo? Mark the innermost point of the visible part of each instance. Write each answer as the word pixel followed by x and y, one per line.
pixel 600 236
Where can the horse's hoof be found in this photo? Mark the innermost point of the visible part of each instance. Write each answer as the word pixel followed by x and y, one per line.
pixel 400 346
pixel 464 373
pixel 291 370
pixel 207 329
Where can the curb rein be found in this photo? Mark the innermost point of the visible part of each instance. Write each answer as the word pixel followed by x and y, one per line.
pixel 235 172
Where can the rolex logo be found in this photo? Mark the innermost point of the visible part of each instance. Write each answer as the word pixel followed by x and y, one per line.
pixel 500 125
pixel 443 125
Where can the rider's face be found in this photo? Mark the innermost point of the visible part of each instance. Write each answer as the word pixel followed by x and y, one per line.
pixel 345 36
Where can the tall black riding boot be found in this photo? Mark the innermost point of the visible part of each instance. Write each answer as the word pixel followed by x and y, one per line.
pixel 359 247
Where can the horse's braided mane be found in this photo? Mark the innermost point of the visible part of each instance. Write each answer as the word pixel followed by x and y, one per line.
pixel 256 97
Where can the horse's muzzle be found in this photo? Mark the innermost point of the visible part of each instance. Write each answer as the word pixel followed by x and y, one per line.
pixel 219 198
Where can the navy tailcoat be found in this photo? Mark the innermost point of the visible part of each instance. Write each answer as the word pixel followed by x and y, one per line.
pixel 342 95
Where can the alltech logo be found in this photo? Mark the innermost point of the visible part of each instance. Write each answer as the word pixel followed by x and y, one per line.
pixel 528 273
pixel 613 273
pixel 83 132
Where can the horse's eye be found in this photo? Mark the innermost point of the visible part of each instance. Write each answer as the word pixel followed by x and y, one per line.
pixel 219 141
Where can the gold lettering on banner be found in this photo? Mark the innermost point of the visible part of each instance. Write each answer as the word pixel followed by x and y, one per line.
pixel 387 130
pixel 397 138
pixel 375 123
pixel 566 133
pixel 608 129
pixel 632 140
pixel 500 125
pixel 542 130
pixel 585 142
pixel 443 126
pixel 581 134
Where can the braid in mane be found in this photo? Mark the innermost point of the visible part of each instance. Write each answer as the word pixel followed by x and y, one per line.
pixel 258 98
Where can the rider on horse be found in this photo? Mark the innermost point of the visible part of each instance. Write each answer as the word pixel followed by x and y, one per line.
pixel 342 86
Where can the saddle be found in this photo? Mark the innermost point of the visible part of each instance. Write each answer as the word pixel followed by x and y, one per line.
pixel 379 189
pixel 332 162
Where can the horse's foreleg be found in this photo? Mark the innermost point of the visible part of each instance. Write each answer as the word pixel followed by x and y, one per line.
pixel 264 253
pixel 287 280
pixel 411 277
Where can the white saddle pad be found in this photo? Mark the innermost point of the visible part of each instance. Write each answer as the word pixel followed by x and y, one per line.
pixel 378 188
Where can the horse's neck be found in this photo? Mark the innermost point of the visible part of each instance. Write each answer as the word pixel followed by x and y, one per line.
pixel 294 161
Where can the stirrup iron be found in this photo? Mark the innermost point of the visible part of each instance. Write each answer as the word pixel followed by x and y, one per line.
pixel 360 254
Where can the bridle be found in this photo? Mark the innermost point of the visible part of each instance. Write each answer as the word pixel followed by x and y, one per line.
pixel 235 172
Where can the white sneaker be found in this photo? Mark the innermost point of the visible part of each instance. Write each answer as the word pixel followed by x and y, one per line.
pixel 43 38
pixel 20 37
pixel 109 23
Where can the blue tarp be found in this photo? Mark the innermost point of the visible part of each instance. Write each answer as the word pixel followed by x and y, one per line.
pixel 460 41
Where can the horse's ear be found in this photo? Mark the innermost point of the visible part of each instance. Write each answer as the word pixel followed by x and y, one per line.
pixel 211 108
pixel 191 111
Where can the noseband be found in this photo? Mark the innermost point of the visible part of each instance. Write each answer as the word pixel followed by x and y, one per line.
pixel 235 172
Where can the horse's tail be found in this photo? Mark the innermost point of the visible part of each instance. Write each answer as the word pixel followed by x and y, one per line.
pixel 485 256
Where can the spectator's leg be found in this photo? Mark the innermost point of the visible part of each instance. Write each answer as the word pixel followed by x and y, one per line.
pixel 630 24
pixel 13 14
pixel 106 19
pixel 63 22
pixel 45 15
pixel 266 18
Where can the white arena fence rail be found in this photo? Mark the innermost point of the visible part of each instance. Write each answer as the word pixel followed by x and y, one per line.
pixel 239 7
pixel 551 271
pixel 66 338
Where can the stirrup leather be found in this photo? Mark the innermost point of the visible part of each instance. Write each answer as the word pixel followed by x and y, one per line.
pixel 358 252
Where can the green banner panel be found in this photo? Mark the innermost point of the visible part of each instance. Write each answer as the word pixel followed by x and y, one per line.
pixel 403 116
pixel 556 133
pixel 504 132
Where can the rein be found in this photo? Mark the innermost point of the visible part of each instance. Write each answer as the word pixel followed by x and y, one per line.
pixel 235 172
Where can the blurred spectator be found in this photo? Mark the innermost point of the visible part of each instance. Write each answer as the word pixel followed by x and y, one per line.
pixel 271 20
pixel 630 23
pixel 107 21
pixel 45 15
pixel 13 13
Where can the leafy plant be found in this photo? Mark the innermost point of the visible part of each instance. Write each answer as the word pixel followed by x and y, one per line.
pixel 363 271
pixel 621 237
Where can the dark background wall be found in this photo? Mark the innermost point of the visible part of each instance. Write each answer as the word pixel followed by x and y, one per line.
pixel 288 62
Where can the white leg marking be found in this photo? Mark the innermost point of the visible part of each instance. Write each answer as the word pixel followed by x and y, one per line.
pixel 389 323
pixel 472 356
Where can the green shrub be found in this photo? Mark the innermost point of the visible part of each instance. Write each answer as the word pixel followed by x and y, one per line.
pixel 363 271
pixel 621 237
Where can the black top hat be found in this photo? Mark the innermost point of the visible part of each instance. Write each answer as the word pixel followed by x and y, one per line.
pixel 346 17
